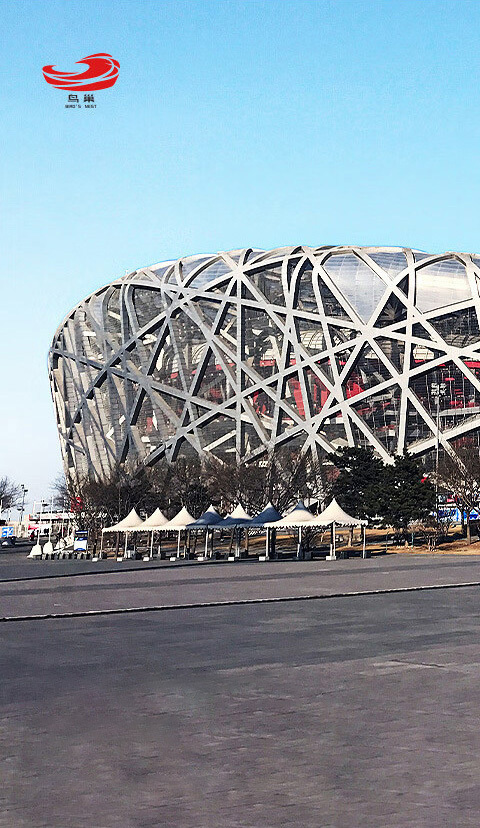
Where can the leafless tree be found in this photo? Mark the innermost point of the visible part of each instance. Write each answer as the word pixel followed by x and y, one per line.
pixel 10 493
pixel 461 476
pixel 99 503
pixel 282 478
pixel 187 486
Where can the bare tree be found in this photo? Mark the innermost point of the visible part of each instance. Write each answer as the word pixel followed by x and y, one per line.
pixel 281 478
pixel 10 493
pixel 169 486
pixel 461 476
pixel 98 503
pixel 61 493
pixel 293 476
pixel 187 486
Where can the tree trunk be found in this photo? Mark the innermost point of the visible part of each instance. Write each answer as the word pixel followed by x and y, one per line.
pixel 469 534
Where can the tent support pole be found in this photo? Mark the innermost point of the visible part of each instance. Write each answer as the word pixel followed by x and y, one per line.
pixel 267 543
pixel 299 547
pixel 178 543
pixel 334 540
pixel 151 546
pixel 101 545
pixel 364 549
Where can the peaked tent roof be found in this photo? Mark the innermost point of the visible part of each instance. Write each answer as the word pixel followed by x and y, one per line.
pixel 130 522
pixel 209 518
pixel 239 517
pixel 268 515
pixel 155 521
pixel 335 514
pixel 239 512
pixel 179 522
pixel 299 516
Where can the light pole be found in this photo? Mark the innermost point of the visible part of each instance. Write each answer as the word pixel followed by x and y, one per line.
pixel 42 504
pixel 51 513
pixel 24 492
pixel 438 390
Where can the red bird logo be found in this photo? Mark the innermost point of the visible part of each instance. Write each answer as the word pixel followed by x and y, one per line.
pixel 102 72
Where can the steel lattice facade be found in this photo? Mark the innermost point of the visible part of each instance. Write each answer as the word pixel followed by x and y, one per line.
pixel 241 352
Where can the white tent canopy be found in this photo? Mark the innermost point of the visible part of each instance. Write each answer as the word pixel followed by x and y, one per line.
pixel 238 518
pixel 156 521
pixel 179 522
pixel 127 524
pixel 335 514
pixel 299 516
pixel 239 513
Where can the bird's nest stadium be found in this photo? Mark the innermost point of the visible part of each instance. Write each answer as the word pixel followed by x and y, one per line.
pixel 240 352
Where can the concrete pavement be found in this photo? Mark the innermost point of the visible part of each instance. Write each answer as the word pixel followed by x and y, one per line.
pixel 167 585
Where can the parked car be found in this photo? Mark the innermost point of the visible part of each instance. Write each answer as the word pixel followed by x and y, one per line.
pixel 8 541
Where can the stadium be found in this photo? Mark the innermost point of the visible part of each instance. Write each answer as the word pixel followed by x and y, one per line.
pixel 244 351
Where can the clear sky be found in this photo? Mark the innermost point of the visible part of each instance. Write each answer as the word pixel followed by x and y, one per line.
pixel 233 123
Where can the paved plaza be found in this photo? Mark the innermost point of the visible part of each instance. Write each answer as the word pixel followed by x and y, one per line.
pixel 355 711
pixel 61 587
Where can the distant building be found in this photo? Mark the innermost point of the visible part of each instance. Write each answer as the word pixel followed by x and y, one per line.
pixel 243 351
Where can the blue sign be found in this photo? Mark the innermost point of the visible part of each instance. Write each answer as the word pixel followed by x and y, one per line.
pixel 454 514
pixel 7 532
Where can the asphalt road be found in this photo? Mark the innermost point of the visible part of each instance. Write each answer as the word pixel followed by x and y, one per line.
pixel 357 711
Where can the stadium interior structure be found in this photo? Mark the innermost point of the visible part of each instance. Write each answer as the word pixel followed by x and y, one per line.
pixel 243 351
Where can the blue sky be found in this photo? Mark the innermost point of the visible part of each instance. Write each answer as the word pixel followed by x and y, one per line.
pixel 233 123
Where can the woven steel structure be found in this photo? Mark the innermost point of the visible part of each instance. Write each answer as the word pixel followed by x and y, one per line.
pixel 244 351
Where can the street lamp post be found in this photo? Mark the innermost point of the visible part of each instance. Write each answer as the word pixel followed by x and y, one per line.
pixel 24 492
pixel 438 390
pixel 51 519
pixel 42 504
